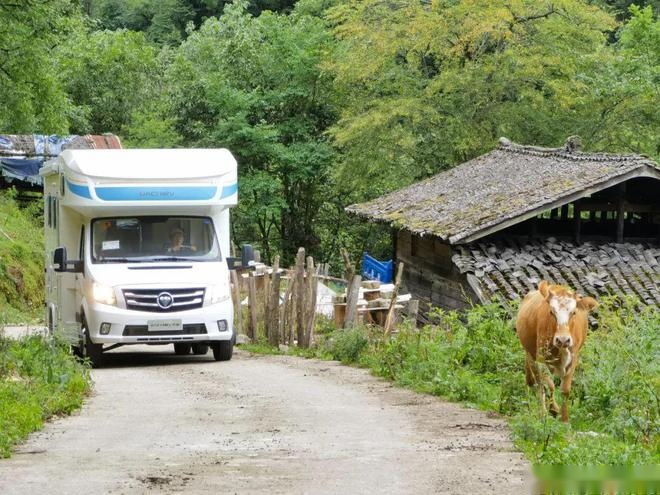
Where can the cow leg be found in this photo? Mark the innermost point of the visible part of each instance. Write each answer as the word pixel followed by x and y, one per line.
pixel 554 407
pixel 531 370
pixel 566 382
pixel 534 377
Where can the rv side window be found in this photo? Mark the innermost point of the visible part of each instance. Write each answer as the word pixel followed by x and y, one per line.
pixel 49 208
pixel 55 212
pixel 81 248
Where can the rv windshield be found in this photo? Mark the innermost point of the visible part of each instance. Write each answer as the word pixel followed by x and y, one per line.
pixel 153 238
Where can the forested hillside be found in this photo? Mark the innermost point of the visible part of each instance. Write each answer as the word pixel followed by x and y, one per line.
pixel 328 102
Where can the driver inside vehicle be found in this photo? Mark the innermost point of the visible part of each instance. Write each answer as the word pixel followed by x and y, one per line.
pixel 176 242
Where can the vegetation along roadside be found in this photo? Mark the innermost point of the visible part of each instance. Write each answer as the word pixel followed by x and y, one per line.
pixel 39 379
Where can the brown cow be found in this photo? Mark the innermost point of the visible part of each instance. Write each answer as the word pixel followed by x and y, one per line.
pixel 552 326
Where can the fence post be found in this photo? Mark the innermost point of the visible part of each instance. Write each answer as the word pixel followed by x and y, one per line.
pixel 273 321
pixel 310 301
pixel 300 295
pixel 350 269
pixel 290 311
pixel 236 293
pixel 413 309
pixel 351 301
pixel 389 321
pixel 284 312
pixel 252 307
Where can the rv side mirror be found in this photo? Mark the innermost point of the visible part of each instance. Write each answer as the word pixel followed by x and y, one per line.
pixel 60 259
pixel 247 255
pixel 246 261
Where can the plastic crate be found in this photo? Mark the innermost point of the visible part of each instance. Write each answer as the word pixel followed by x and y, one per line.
pixel 372 269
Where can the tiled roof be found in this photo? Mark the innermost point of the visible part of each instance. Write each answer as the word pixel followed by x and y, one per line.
pixel 510 269
pixel 507 185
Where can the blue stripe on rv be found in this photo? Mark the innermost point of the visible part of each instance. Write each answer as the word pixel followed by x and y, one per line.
pixel 229 190
pixel 78 190
pixel 156 193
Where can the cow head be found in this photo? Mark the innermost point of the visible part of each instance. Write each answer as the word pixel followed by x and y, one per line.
pixel 563 304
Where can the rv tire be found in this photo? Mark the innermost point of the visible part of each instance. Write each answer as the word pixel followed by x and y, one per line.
pixel 90 350
pixel 223 350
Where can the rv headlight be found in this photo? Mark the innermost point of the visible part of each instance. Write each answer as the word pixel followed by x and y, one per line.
pixel 103 294
pixel 218 294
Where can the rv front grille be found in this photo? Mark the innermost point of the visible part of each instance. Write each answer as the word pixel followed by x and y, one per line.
pixel 142 330
pixel 163 300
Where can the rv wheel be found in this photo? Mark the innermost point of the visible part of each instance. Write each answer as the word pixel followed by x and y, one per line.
pixel 90 350
pixel 182 348
pixel 200 349
pixel 223 350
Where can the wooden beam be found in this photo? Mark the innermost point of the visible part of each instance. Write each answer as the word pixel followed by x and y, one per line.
pixel 577 220
pixel 621 212
pixel 628 206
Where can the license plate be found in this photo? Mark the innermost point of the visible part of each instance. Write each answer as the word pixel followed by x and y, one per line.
pixel 164 325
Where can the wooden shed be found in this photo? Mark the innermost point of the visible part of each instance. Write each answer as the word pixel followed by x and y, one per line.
pixel 498 224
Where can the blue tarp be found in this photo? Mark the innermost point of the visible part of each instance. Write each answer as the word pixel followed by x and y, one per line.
pixel 23 169
pixel 40 148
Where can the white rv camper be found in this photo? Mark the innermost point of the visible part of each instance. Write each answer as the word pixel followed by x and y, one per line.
pixel 149 231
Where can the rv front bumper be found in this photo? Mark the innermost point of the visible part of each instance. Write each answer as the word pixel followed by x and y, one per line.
pixel 206 324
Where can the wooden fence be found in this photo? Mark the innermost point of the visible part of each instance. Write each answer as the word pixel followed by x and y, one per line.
pixel 282 303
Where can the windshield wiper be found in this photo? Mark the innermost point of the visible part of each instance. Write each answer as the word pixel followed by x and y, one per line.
pixel 170 258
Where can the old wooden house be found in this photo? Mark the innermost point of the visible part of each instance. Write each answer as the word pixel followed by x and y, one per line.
pixel 498 224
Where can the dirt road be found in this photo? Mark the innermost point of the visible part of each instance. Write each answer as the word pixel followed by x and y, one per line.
pixel 159 423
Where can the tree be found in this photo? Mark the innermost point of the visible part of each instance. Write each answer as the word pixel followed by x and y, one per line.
pixel 108 76
pixel 165 21
pixel 33 99
pixel 622 8
pixel 425 86
pixel 252 84
pixel 626 90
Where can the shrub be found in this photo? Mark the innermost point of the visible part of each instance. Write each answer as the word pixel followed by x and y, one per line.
pixel 346 345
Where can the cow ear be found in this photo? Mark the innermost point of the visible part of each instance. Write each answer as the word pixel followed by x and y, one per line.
pixel 543 288
pixel 587 303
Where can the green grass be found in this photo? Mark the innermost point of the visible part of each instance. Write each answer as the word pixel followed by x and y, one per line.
pixel 21 260
pixel 476 359
pixel 39 379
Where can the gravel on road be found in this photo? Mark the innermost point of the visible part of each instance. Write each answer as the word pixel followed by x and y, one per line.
pixel 160 423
